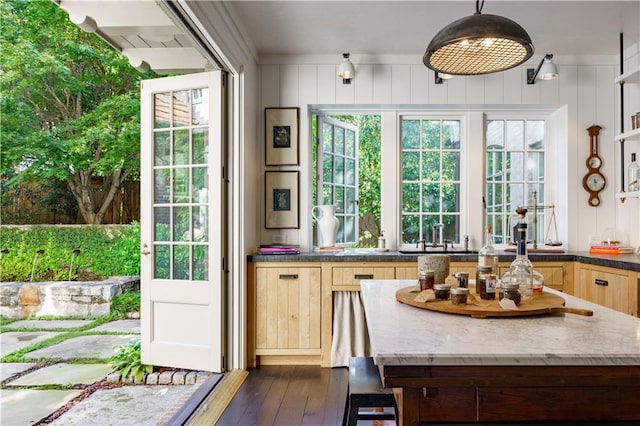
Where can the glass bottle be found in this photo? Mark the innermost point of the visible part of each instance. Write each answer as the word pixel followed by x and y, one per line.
pixel 487 253
pixel 521 270
pixel 634 174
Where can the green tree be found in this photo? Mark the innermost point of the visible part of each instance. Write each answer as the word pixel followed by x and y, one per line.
pixel 69 104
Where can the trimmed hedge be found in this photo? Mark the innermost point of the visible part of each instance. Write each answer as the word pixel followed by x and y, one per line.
pixel 51 252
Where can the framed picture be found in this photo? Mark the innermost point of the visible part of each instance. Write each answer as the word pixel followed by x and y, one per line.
pixel 281 136
pixel 281 200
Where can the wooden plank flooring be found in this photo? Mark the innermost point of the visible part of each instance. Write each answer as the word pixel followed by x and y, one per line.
pixel 288 396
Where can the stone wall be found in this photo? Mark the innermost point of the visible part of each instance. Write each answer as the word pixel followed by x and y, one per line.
pixel 63 298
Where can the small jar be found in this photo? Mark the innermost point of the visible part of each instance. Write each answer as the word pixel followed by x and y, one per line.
pixel 512 292
pixel 426 279
pixel 442 291
pixel 488 286
pixel 459 295
pixel 480 271
pixel 463 279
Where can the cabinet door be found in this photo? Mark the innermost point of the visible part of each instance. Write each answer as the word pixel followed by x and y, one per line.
pixel 288 308
pixel 605 288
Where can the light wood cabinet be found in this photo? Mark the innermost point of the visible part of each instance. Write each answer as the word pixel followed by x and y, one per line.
pixel 287 314
pixel 557 275
pixel 349 277
pixel 614 288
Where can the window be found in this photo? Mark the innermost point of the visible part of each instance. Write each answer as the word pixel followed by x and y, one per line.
pixel 430 170
pixel 338 175
pixel 347 170
pixel 515 164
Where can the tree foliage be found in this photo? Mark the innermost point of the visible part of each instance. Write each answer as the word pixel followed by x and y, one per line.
pixel 69 103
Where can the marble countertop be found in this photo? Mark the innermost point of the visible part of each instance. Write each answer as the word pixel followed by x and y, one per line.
pixel 630 262
pixel 404 335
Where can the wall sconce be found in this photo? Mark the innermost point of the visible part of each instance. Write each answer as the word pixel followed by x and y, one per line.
pixel 546 70
pixel 440 77
pixel 346 70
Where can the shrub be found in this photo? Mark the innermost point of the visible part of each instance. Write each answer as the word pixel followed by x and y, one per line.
pixel 127 362
pixel 124 303
pixel 51 253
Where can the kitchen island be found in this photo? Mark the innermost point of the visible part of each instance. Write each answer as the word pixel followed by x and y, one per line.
pixel 454 368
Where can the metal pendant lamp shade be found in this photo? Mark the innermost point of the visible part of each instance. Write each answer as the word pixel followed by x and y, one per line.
pixel 548 70
pixel 478 44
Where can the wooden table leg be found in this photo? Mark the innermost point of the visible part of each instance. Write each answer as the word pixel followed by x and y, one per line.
pixel 409 406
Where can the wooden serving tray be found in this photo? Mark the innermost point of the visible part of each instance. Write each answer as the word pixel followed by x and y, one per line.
pixel 545 303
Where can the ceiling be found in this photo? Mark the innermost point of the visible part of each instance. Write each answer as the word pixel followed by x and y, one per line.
pixel 144 32
pixel 406 27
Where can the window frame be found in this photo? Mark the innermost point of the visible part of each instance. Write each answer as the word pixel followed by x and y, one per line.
pixel 441 116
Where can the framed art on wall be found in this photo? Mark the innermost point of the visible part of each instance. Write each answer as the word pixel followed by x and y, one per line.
pixel 281 136
pixel 281 200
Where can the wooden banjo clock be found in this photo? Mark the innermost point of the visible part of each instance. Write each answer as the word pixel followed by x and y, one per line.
pixel 594 181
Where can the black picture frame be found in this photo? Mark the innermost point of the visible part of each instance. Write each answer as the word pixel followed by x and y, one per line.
pixel 281 199
pixel 282 133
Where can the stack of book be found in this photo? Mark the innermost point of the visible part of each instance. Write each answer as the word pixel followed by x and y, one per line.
pixel 609 249
pixel 278 249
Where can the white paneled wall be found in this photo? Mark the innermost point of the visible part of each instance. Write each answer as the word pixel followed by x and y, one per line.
pixel 584 94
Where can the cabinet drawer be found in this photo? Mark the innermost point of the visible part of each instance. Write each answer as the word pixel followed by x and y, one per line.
pixel 348 276
pixel 605 288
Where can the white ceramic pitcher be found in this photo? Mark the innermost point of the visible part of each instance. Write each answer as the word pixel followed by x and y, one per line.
pixel 327 224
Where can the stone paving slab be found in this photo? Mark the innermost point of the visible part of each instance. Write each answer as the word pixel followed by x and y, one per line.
pixel 8 369
pixel 101 347
pixel 26 407
pixel 64 374
pixel 127 405
pixel 48 325
pixel 120 326
pixel 13 340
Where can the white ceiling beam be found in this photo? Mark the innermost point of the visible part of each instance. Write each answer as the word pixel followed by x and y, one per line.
pixel 168 60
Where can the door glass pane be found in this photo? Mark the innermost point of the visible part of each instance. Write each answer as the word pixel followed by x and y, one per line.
pixel 199 194
pixel 199 219
pixel 161 110
pixel 200 263
pixel 161 261
pixel 181 224
pixel 181 147
pixel 339 170
pixel 163 224
pixel 200 141
pixel 181 108
pixel 181 185
pixel 162 185
pixel 431 134
pixel 162 149
pixel 200 106
pixel 181 262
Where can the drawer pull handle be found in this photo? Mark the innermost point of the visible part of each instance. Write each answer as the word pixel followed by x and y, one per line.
pixel 288 276
pixel 601 282
pixel 363 276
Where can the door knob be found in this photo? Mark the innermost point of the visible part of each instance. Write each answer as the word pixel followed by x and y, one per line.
pixel 145 250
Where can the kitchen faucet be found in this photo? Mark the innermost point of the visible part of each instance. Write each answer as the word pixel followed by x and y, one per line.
pixel 434 234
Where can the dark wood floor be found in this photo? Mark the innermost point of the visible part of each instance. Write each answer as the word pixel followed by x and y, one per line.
pixel 289 395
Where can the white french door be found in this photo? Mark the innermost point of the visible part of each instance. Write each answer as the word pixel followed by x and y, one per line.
pixel 182 221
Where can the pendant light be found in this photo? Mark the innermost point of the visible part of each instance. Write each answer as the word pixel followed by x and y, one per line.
pixel 478 44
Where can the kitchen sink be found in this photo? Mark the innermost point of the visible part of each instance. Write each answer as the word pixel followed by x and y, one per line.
pixel 438 250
